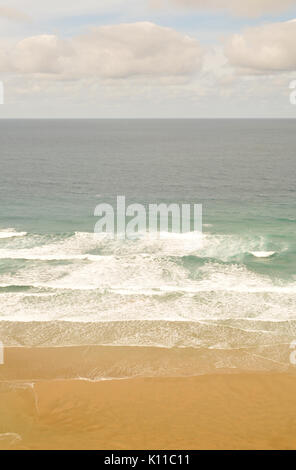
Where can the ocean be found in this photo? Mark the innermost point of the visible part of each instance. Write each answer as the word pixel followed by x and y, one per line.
pixel 223 300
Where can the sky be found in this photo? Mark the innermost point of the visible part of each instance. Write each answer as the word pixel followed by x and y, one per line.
pixel 147 58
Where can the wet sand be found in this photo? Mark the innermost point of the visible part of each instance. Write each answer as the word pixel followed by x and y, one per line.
pixel 213 411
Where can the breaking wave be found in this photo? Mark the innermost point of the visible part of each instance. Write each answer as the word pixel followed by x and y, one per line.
pixel 178 290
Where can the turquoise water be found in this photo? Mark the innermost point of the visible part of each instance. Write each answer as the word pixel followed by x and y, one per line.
pixel 234 287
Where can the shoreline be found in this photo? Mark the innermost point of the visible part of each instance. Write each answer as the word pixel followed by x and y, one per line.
pixel 117 362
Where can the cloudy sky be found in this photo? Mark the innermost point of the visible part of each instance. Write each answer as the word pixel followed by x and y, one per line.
pixel 147 58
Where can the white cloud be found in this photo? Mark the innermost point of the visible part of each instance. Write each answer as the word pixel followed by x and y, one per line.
pixel 110 52
pixel 43 54
pixel 238 7
pixel 142 69
pixel 268 48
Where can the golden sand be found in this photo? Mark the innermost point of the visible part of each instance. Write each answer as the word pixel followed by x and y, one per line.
pixel 217 411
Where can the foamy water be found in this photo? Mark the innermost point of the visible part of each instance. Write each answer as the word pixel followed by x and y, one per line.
pixel 185 291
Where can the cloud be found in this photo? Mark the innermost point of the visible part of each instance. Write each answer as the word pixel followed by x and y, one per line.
pixel 13 14
pixel 121 51
pixel 268 48
pixel 242 8
pixel 137 49
pixel 44 54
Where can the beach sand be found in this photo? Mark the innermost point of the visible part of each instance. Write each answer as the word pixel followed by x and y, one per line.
pixel 229 410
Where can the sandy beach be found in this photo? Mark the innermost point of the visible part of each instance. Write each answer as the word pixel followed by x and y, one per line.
pixel 229 410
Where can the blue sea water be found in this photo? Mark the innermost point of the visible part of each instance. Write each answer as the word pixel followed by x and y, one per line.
pixel 233 288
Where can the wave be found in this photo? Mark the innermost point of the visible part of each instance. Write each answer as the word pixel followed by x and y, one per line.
pixel 88 245
pixel 263 254
pixel 147 266
pixel 182 277
pixel 203 288
pixel 6 254
pixel 221 293
pixel 11 233
pixel 142 274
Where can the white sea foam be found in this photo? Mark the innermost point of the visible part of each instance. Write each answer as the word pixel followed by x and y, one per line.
pixel 11 233
pixel 85 245
pixel 263 254
pixel 19 254
pixel 114 280
pixel 145 266
pixel 140 289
